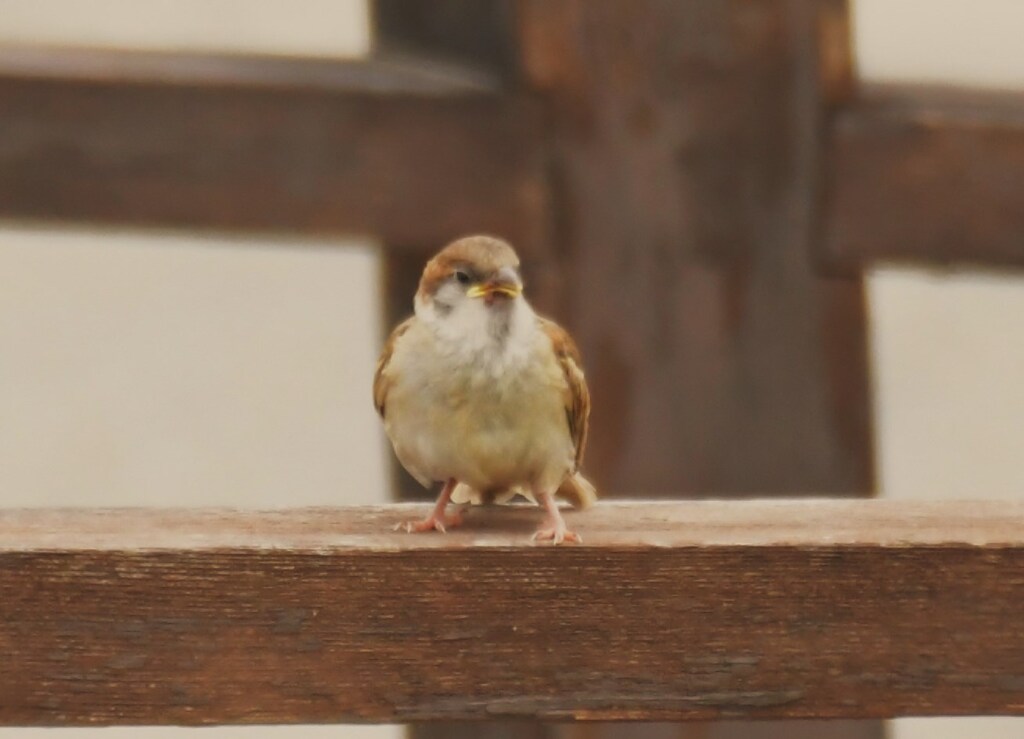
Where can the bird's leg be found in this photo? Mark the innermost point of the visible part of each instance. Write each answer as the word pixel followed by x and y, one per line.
pixel 438 519
pixel 553 529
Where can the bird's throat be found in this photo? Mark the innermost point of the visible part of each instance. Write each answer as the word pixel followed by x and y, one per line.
pixel 499 324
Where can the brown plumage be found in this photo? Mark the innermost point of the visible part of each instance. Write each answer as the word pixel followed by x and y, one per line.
pixel 479 255
pixel 484 395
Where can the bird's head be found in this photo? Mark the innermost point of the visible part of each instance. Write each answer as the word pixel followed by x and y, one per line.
pixel 473 275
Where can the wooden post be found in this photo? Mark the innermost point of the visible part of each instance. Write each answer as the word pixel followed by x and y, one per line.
pixel 688 147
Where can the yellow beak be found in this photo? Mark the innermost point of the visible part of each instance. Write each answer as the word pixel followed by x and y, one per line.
pixel 504 288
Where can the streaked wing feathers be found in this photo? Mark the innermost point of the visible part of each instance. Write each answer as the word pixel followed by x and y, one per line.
pixel 381 381
pixel 577 396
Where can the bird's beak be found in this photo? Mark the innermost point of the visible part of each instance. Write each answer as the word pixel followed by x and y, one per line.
pixel 505 282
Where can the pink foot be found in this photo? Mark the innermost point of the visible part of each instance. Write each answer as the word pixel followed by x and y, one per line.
pixel 433 522
pixel 439 519
pixel 554 528
pixel 556 532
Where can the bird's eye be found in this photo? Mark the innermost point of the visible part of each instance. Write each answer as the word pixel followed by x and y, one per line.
pixel 462 277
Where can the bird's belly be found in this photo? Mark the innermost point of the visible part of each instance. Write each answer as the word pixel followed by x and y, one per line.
pixel 487 435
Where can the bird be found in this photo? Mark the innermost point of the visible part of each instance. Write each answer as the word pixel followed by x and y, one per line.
pixel 481 394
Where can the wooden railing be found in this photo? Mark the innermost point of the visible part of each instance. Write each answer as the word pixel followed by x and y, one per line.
pixel 699 610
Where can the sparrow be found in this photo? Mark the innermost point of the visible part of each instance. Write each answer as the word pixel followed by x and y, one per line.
pixel 479 393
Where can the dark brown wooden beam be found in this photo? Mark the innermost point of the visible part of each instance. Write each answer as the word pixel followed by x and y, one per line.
pixel 481 33
pixel 927 175
pixel 688 160
pixel 681 611
pixel 413 152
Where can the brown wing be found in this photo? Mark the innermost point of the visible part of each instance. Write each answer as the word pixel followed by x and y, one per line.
pixel 577 396
pixel 381 381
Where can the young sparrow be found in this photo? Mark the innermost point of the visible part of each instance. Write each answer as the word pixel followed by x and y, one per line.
pixel 480 393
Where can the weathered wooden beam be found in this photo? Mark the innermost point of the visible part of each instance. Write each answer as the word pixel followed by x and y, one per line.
pixel 412 152
pixel 697 610
pixel 927 175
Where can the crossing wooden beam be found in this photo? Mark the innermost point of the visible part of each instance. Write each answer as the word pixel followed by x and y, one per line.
pixel 929 175
pixel 406 151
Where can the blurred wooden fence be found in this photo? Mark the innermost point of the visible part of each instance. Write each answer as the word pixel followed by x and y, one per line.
pixel 695 187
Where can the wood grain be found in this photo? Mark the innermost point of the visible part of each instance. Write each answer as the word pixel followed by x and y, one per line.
pixel 927 175
pixel 670 611
pixel 411 152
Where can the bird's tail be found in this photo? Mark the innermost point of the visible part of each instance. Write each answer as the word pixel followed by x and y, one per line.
pixel 575 489
pixel 578 491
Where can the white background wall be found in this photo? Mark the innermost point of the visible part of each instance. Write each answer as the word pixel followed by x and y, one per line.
pixel 166 369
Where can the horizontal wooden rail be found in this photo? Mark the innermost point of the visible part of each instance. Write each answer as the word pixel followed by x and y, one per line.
pixel 695 610
pixel 411 152
pixel 928 175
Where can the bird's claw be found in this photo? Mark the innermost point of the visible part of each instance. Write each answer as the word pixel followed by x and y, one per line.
pixel 556 533
pixel 433 522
